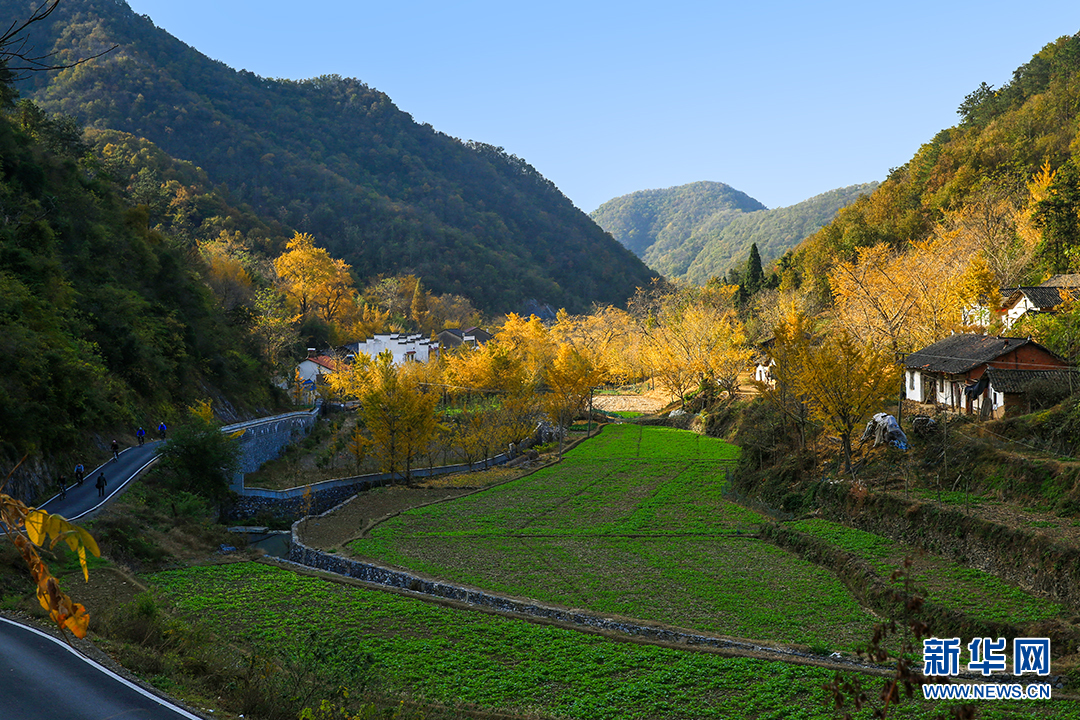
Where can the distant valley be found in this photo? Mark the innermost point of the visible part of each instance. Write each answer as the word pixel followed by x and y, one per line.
pixel 695 231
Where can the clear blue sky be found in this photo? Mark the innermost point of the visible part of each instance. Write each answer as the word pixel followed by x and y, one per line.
pixel 782 100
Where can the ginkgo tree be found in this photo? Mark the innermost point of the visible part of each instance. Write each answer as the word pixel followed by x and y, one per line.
pixel 317 284
pixel 694 338
pixel 841 379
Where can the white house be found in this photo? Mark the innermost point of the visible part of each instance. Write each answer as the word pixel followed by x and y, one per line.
pixel 405 348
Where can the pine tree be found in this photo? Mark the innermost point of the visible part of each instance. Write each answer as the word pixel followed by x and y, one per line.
pixel 755 276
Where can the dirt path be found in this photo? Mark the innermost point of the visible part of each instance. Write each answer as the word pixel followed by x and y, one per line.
pixel 653 402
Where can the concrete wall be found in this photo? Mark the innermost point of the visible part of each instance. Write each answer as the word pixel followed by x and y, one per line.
pixel 265 438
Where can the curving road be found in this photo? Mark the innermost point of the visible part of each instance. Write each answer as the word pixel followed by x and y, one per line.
pixel 42 676
pixel 83 499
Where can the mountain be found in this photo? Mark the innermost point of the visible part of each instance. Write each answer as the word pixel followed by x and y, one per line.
pixel 657 225
pixel 702 229
pixel 104 322
pixel 335 158
pixel 774 231
pixel 1007 172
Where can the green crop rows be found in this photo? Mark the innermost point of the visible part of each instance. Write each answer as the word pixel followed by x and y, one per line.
pixel 632 523
pixel 942 581
pixel 458 656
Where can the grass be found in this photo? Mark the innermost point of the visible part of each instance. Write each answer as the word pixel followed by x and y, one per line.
pixel 446 655
pixel 941 580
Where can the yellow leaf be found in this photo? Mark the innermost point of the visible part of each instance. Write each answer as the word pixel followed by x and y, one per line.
pixel 35 526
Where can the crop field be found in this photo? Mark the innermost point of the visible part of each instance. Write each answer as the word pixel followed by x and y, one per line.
pixel 456 657
pixel 632 523
pixel 939 579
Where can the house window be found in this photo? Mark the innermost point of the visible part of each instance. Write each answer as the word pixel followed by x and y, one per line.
pixel 911 380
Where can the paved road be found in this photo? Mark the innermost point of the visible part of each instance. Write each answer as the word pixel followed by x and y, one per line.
pixel 43 677
pixel 83 499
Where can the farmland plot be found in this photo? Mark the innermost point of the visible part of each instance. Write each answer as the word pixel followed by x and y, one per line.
pixel 632 523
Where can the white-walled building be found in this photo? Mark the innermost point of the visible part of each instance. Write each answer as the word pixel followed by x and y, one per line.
pixel 405 348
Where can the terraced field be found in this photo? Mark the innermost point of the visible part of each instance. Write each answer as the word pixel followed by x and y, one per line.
pixel 632 523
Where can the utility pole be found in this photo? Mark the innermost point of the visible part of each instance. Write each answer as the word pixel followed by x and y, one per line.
pixel 903 379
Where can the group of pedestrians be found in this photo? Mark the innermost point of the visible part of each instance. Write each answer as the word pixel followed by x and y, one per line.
pixel 100 483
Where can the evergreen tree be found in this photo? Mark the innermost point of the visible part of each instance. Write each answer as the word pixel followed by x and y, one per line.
pixel 755 276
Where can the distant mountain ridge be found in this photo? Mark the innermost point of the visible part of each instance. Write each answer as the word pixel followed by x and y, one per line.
pixel 335 158
pixel 701 229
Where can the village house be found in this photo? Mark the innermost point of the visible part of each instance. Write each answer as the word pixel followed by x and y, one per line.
pixel 404 347
pixel 455 337
pixel 315 367
pixel 1042 298
pixel 985 374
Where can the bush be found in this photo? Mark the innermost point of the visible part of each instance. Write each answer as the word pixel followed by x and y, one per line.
pixel 200 459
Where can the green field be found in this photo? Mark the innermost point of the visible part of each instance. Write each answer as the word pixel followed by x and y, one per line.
pixel 632 523
pixel 453 656
pixel 938 579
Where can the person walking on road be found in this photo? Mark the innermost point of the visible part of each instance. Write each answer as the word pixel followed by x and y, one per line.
pixel 161 429
pixel 141 435
pixel 115 451
pixel 80 473
pixel 100 485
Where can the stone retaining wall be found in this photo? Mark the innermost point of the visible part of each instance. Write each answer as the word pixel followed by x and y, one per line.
pixel 265 438
pixel 319 497
pixel 301 554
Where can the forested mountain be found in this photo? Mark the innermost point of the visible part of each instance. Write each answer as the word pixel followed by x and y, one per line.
pixel 335 158
pixel 104 323
pixel 774 231
pixel 702 229
pixel 1006 177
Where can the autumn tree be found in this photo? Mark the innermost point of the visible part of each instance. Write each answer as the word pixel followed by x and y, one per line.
pixel 788 351
pixel 396 410
pixel 904 300
pixel 569 380
pixel 694 338
pixel 317 284
pixel 842 379
pixel 274 326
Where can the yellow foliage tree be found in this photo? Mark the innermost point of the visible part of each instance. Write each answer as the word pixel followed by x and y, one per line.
pixel 842 379
pixel 570 379
pixel 317 284
pixel 904 300
pixel 693 338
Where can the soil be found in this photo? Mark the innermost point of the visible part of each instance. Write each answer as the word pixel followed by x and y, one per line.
pixel 352 518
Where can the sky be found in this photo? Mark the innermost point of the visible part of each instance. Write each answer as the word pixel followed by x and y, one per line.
pixel 781 100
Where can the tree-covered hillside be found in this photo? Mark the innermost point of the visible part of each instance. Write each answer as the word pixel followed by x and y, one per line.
pixel 773 231
pixel 656 224
pixel 701 230
pixel 104 322
pixel 335 158
pixel 1006 177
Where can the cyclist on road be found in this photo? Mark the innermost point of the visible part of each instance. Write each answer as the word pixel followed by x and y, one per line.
pixel 80 473
pixel 161 429
pixel 63 487
pixel 115 451
pixel 141 435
